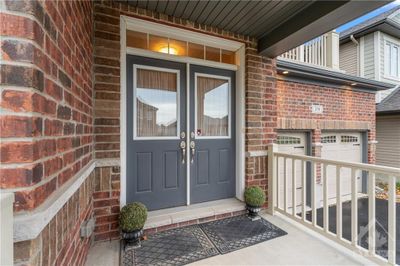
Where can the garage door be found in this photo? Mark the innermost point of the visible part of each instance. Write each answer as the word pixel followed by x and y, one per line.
pixel 342 147
pixel 292 143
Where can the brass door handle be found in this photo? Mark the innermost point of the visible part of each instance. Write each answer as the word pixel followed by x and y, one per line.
pixel 183 149
pixel 192 148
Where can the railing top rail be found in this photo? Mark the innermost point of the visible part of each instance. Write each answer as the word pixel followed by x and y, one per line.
pixel 362 166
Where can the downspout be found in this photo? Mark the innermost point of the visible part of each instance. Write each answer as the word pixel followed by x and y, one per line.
pixel 358 54
pixel 354 40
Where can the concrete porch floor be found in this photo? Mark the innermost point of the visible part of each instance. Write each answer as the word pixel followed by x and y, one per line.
pixel 298 247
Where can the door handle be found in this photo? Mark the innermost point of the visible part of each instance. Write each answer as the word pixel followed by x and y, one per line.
pixel 192 148
pixel 183 149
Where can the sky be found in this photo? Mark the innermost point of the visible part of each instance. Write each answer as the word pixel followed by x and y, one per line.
pixel 368 16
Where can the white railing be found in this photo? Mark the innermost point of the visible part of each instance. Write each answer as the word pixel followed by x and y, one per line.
pixel 311 176
pixel 322 51
pixel 6 229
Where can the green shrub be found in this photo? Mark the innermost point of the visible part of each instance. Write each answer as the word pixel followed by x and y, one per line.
pixel 132 217
pixel 254 196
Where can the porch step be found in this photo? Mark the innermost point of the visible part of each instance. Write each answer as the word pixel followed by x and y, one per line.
pixel 180 215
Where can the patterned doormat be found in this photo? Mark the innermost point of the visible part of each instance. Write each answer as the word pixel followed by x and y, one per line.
pixel 238 232
pixel 196 242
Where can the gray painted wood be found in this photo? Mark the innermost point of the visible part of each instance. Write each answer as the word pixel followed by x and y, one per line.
pixel 212 174
pixel 155 173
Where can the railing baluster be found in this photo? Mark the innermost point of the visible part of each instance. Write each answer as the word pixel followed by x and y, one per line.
pixel 371 214
pixel 355 168
pixel 338 204
pixel 285 187
pixel 354 208
pixel 304 191
pixel 293 187
pixel 326 203
pixel 278 190
pixel 313 193
pixel 392 221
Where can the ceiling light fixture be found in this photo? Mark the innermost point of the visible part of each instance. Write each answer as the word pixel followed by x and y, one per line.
pixel 285 72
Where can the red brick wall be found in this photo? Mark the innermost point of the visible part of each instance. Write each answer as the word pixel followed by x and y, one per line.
pixel 46 126
pixel 260 96
pixel 60 242
pixel 343 109
pixel 47 116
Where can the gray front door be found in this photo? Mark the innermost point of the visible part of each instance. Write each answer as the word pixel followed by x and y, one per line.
pixel 212 127
pixel 157 163
pixel 156 116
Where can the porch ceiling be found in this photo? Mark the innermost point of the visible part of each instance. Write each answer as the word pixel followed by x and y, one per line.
pixel 279 25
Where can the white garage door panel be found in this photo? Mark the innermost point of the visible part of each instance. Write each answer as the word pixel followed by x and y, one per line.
pixel 292 143
pixel 343 147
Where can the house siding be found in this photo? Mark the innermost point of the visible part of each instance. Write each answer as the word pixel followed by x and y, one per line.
pixel 388 137
pixel 369 58
pixel 349 59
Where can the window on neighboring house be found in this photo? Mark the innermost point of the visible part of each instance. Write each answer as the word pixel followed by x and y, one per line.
pixel 392 60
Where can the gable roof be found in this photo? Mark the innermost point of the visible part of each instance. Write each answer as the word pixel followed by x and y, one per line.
pixel 391 104
pixel 386 22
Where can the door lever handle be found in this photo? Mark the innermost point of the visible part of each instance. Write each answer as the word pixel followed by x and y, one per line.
pixel 183 149
pixel 192 148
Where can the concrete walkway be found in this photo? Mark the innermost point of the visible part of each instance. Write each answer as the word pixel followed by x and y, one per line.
pixel 295 248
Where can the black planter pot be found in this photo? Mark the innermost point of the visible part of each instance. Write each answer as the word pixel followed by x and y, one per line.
pixel 132 239
pixel 253 212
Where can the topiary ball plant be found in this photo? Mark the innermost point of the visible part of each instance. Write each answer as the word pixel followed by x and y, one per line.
pixel 254 196
pixel 132 217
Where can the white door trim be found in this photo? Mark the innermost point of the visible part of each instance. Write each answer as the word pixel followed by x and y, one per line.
pixel 138 24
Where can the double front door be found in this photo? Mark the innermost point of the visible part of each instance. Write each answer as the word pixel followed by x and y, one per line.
pixel 180 133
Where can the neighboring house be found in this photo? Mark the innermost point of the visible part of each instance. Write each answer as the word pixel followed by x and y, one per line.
pixel 371 49
pixel 388 130
pixel 73 149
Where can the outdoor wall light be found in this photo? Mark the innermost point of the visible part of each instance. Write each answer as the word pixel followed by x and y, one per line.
pixel 167 50
pixel 285 72
pixel 353 84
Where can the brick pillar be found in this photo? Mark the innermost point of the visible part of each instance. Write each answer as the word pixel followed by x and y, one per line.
pixel 261 115
pixel 316 151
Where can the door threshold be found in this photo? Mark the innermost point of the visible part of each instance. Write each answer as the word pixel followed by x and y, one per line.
pixel 182 215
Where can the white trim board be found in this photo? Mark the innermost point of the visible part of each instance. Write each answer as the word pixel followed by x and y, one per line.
pixel 178 98
pixel 29 225
pixel 187 35
pixel 196 75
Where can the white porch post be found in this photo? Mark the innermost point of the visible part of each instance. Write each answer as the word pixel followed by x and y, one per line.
pixel 332 50
pixel 272 148
pixel 6 229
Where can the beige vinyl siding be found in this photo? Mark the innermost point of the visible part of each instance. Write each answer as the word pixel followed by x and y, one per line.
pixel 348 57
pixel 388 137
pixel 369 64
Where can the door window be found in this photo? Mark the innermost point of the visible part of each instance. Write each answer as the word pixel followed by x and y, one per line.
pixel 212 107
pixel 156 102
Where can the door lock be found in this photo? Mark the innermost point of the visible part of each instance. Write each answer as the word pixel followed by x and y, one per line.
pixel 183 149
pixel 192 148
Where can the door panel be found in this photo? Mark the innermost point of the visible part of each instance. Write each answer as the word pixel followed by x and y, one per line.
pixel 156 113
pixel 212 116
pixel 344 146
pixel 292 143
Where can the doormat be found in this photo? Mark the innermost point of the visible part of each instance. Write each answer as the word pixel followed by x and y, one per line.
pixel 184 245
pixel 239 232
